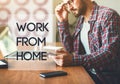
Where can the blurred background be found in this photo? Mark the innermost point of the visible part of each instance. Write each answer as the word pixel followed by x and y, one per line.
pixel 24 11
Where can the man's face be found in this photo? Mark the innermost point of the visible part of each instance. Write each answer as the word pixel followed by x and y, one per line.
pixel 75 6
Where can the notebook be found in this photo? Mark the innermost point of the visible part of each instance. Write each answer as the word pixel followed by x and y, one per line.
pixel 51 50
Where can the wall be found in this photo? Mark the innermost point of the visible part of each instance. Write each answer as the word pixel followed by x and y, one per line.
pixel 21 11
pixel 114 4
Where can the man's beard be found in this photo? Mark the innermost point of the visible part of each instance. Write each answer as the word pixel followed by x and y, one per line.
pixel 79 11
pixel 76 14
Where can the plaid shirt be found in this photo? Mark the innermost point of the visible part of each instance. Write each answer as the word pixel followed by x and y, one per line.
pixel 104 40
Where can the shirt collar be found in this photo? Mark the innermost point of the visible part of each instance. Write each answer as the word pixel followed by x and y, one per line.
pixel 94 12
pixel 93 15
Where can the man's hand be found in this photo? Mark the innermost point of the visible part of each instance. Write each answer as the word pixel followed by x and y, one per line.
pixel 63 58
pixel 61 12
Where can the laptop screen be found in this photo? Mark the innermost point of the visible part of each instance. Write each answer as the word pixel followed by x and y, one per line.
pixel 7 46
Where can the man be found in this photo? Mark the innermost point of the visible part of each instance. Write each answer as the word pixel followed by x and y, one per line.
pixel 95 43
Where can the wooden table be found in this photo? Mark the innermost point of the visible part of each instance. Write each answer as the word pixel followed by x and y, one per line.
pixel 76 75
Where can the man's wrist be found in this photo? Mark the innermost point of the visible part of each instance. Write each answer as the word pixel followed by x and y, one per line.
pixel 63 22
pixel 63 25
pixel 75 59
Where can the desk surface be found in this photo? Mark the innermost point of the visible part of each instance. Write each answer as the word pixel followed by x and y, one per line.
pixel 76 75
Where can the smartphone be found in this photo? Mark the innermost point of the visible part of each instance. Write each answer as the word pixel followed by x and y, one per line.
pixel 53 74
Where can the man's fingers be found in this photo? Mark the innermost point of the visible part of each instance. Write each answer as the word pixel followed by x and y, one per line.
pixel 60 50
pixel 59 57
pixel 63 59
pixel 59 7
pixel 58 61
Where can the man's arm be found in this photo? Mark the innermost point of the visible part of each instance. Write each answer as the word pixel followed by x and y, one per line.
pixel 65 36
pixel 106 56
pixel 110 48
pixel 61 13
